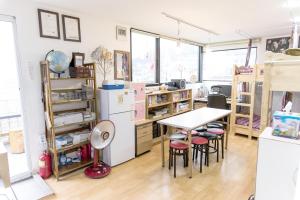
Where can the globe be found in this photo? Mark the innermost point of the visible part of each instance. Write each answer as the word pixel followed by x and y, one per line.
pixel 58 61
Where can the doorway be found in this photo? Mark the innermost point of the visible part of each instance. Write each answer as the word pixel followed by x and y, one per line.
pixel 12 133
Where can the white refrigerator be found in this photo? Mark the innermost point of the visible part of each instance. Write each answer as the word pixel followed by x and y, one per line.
pixel 118 106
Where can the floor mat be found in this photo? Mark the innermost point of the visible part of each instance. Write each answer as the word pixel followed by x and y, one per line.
pixel 31 189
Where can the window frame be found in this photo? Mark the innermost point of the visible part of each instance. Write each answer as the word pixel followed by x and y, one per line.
pixel 231 49
pixel 157 56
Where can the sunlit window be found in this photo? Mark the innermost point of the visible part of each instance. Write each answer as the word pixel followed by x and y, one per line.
pixel 178 61
pixel 143 58
pixel 217 65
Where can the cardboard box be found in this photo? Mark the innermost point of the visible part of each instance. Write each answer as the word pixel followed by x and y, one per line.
pixel 4 169
pixel 16 141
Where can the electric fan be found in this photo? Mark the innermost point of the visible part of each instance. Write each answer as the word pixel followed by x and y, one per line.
pixel 100 137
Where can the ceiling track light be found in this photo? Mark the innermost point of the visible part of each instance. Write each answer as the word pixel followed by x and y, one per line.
pixel 188 23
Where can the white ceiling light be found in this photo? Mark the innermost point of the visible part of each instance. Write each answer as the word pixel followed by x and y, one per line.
pixel 291 4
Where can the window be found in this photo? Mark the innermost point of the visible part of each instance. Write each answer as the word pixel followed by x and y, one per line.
pixel 158 60
pixel 143 49
pixel 178 61
pixel 217 65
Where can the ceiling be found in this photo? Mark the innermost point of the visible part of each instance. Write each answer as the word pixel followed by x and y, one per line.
pixel 255 18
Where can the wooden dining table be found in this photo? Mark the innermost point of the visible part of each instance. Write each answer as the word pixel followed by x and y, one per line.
pixel 190 121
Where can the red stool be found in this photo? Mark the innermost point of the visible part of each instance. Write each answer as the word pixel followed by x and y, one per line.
pixel 220 134
pixel 178 149
pixel 200 144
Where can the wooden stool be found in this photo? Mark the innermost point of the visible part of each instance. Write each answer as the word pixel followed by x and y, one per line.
pixel 178 149
pixel 200 144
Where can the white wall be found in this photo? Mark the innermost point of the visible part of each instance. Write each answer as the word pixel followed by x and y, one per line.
pixel 32 49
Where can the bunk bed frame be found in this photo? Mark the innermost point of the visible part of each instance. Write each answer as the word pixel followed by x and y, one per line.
pixel 279 75
pixel 242 123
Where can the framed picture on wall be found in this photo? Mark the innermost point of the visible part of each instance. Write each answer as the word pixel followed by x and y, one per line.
pixel 122 66
pixel 77 59
pixel 71 28
pixel 121 33
pixel 278 45
pixel 48 24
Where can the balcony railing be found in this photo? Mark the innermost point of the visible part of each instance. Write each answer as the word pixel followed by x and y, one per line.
pixel 10 123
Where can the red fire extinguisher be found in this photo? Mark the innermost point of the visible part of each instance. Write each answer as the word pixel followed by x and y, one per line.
pixel 45 165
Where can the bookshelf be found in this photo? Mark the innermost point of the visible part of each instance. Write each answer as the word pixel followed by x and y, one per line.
pixel 164 104
pixel 62 96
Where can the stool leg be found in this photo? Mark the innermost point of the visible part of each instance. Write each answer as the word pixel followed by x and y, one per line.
pixel 222 143
pixel 201 154
pixel 217 141
pixel 207 153
pixel 175 164
pixel 194 150
pixel 184 158
pixel 197 149
pixel 170 157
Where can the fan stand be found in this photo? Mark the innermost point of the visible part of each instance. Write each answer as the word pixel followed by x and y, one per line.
pixel 99 169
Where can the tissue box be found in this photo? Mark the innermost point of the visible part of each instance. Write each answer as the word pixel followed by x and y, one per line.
pixel 286 124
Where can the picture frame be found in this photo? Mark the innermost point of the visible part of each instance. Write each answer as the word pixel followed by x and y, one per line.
pixel 71 28
pixel 122 65
pixel 121 33
pixel 48 24
pixel 278 45
pixel 78 59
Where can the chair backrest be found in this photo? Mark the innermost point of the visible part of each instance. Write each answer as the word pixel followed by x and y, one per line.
pixel 217 101
pixel 222 89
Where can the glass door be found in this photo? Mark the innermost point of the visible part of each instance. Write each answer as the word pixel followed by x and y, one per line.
pixel 12 133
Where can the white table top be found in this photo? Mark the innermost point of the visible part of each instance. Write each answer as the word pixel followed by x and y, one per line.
pixel 196 118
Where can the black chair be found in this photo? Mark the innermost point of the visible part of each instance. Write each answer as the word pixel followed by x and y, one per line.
pixel 217 101
pixel 222 89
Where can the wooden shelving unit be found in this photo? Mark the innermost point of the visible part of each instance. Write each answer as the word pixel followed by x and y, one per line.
pixel 170 101
pixel 49 86
pixel 281 75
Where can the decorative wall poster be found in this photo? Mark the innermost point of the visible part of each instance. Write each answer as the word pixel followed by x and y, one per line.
pixel 278 45
pixel 48 24
pixel 71 28
pixel 122 65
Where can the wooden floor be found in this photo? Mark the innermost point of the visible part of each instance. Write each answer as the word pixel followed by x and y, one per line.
pixel 143 178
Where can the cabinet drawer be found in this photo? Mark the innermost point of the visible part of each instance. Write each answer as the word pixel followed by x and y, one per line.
pixel 140 132
pixel 144 126
pixel 144 138
pixel 144 144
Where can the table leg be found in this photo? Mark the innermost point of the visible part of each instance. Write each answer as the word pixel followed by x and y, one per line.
pixel 227 131
pixel 162 138
pixel 190 154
